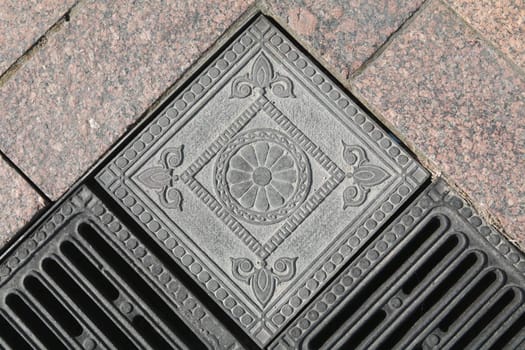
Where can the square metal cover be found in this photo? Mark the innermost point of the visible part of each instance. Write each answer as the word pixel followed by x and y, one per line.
pixel 261 179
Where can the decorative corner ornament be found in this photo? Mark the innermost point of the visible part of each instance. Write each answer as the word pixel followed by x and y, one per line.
pixel 263 77
pixel 364 175
pixel 163 178
pixel 263 280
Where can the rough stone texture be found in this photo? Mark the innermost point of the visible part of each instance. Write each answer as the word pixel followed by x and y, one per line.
pixel 501 21
pixel 344 33
pixel 18 202
pixel 96 76
pixel 461 104
pixel 22 22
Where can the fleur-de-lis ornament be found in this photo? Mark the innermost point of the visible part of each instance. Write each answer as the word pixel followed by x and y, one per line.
pixel 363 174
pixel 163 178
pixel 263 78
pixel 264 279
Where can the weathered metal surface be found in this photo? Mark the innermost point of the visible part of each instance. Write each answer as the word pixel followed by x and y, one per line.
pixel 437 278
pixel 85 280
pixel 266 176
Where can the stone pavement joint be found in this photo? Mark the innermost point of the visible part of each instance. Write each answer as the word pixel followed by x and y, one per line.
pixel 513 61
pixel 19 202
pixel 411 16
pixel 470 128
pixel 9 68
pixel 501 23
pixel 35 188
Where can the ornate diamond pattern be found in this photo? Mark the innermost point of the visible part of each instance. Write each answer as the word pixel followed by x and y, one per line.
pixel 262 178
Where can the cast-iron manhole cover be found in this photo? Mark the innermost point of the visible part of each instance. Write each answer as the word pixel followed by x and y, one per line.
pixel 259 208
pixel 260 171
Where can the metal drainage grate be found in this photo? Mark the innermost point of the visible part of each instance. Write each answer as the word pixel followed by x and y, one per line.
pixel 438 278
pixel 90 283
pixel 259 208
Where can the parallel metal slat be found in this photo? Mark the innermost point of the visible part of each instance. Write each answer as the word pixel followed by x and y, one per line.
pixel 422 289
pixel 470 308
pixel 42 311
pixel 90 331
pixel 126 291
pixel 97 306
pixel 24 322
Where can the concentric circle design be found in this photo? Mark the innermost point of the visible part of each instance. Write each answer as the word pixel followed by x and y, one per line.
pixel 262 176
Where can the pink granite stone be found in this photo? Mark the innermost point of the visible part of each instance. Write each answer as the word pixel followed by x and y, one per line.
pixel 22 22
pixel 344 33
pixel 501 21
pixel 105 67
pixel 18 202
pixel 462 105
pixel 64 108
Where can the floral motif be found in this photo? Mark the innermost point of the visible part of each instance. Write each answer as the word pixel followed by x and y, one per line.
pixel 263 280
pixel 162 178
pixel 364 175
pixel 263 77
pixel 262 176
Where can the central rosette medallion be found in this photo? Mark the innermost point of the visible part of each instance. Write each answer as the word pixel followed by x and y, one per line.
pixel 262 176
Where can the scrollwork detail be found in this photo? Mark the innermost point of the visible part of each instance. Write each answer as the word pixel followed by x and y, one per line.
pixel 263 280
pixel 363 174
pixel 262 77
pixel 163 178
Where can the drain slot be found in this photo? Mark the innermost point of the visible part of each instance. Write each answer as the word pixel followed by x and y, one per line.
pixel 430 264
pixel 434 297
pixel 134 281
pixel 149 333
pixel 53 306
pixel 364 331
pixel 97 279
pixel 11 336
pixel 33 322
pixel 488 316
pixel 87 305
pixel 468 300
pixel 510 333
pixel 151 244
pixel 323 335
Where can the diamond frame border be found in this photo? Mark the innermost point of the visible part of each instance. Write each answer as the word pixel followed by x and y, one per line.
pixel 264 250
pixel 262 29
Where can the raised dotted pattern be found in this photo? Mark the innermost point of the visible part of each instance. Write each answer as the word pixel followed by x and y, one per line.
pixel 262 84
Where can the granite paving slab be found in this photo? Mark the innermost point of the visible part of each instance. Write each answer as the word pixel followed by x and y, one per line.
pixel 344 33
pixel 501 21
pixel 19 202
pixel 439 277
pixel 462 105
pixel 265 176
pixel 23 22
pixel 104 68
pixel 96 76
